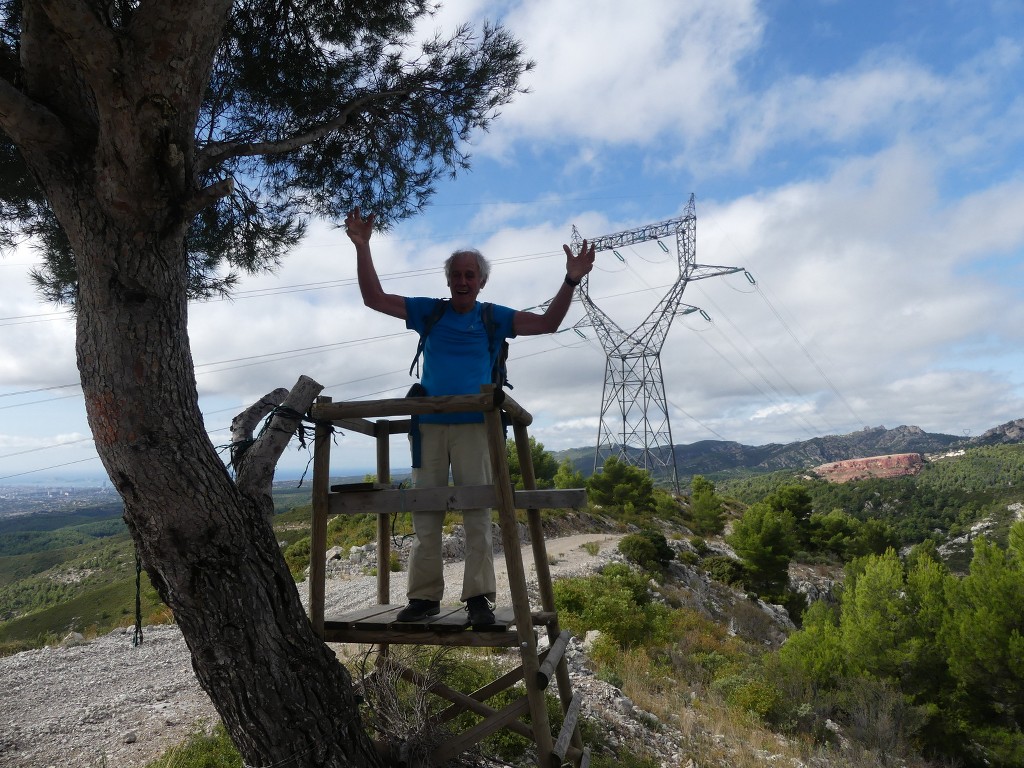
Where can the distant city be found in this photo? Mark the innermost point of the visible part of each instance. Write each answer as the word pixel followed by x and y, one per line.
pixel 54 496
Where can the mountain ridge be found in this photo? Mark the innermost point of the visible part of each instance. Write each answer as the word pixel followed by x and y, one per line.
pixel 708 457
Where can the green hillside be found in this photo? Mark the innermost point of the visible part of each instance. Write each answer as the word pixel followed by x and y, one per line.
pixel 891 655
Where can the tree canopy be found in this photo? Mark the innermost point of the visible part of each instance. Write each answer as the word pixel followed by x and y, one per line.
pixel 296 110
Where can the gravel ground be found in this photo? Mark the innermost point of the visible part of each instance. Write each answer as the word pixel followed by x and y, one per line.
pixel 107 703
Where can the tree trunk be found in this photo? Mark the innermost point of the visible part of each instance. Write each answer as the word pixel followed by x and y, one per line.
pixel 106 124
pixel 208 547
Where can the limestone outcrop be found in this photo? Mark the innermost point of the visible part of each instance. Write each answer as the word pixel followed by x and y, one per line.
pixel 891 465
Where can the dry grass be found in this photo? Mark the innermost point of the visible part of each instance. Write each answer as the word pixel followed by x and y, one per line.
pixel 720 736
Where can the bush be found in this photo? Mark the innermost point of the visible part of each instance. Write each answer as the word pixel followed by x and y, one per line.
pixel 753 695
pixel 623 487
pixel 616 602
pixel 297 556
pixel 648 549
pixel 725 569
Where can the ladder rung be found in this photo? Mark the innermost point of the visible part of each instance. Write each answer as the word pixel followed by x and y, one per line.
pixel 568 728
pixel 357 487
pixel 547 669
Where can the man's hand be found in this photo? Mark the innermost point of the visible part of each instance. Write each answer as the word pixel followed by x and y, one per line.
pixel 578 266
pixel 357 228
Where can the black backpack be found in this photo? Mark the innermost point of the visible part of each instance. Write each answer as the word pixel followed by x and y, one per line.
pixel 499 373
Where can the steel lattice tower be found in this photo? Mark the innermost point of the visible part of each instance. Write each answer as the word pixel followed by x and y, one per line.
pixel 634 424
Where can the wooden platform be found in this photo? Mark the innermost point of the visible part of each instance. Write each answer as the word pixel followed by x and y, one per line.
pixel 379 624
pixel 515 626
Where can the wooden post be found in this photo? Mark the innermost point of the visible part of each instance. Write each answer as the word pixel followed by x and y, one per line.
pixel 540 555
pixel 540 561
pixel 318 533
pixel 382 432
pixel 517 585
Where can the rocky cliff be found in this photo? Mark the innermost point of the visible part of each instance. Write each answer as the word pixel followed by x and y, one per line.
pixel 891 465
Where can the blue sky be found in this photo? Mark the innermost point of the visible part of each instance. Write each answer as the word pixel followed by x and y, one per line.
pixel 863 161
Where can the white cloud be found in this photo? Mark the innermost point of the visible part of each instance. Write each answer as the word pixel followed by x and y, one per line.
pixel 611 75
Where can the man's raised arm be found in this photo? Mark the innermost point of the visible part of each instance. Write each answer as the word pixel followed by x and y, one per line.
pixel 359 231
pixel 576 268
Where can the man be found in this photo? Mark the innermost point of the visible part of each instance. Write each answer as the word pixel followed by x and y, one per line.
pixel 458 358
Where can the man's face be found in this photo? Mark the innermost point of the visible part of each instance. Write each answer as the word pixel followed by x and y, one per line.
pixel 464 282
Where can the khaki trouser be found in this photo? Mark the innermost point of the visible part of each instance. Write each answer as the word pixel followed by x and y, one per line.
pixel 463 447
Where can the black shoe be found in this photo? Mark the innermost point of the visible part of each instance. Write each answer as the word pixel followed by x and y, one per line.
pixel 418 610
pixel 480 613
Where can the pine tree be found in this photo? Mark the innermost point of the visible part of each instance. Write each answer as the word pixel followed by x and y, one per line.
pixel 153 150
pixel 765 540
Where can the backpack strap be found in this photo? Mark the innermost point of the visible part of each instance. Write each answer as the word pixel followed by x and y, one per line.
pixel 499 372
pixel 440 307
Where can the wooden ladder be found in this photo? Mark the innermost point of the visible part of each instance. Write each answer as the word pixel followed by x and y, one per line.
pixel 515 626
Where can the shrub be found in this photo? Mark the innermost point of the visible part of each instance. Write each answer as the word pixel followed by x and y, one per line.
pixel 648 549
pixel 297 556
pixel 616 602
pixel 752 695
pixel 623 487
pixel 725 569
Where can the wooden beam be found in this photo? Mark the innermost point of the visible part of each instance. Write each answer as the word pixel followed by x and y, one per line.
pixel 403 406
pixel 318 533
pixel 468 639
pixel 556 651
pixel 493 688
pixel 506 506
pixel 369 428
pixel 461 702
pixel 488 400
pixel 452 499
pixel 480 731
pixel 566 734
pixel 382 429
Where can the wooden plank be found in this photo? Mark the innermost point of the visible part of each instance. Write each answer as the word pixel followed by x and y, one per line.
pixel 404 406
pixel 383 534
pixel 545 588
pixel 556 652
pixel 351 618
pixel 410 406
pixel 362 426
pixel 369 428
pixel 396 636
pixel 519 415
pixel 359 487
pixel 566 734
pixel 375 618
pixel 386 501
pixel 318 525
pixel 412 500
pixel 504 617
pixel 480 731
pixel 494 687
pixel 496 445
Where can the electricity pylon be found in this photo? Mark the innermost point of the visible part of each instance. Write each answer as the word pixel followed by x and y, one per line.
pixel 634 386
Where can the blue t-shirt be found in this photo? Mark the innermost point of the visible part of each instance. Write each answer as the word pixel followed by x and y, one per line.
pixel 456 357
